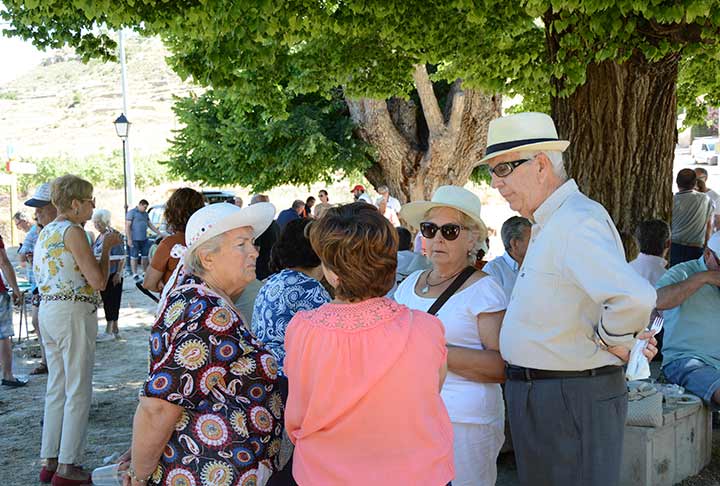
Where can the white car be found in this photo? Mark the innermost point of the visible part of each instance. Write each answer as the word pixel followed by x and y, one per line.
pixel 703 150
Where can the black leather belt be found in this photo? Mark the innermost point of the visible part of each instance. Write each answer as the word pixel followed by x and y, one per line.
pixel 518 373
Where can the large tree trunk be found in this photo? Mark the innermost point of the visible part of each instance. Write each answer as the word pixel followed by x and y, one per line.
pixel 421 148
pixel 622 129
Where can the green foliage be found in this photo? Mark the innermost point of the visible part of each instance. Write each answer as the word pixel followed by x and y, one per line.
pixel 101 171
pixel 272 55
pixel 8 95
pixel 228 142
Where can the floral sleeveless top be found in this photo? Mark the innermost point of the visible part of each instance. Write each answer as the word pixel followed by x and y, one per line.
pixel 57 274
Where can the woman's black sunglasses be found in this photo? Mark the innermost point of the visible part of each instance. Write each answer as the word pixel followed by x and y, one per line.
pixel 449 231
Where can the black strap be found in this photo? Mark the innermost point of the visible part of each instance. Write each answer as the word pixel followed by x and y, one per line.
pixel 454 286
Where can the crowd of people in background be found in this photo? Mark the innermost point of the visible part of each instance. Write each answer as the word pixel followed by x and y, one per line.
pixel 350 344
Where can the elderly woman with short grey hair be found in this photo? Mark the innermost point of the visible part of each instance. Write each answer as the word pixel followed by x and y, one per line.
pixel 112 295
pixel 210 411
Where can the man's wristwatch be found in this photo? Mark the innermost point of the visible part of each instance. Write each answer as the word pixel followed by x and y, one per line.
pixel 134 478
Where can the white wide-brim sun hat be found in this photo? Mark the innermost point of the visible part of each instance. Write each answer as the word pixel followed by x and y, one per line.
pixel 531 132
pixel 216 219
pixel 447 197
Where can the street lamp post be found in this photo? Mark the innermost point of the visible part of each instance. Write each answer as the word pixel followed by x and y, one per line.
pixel 122 127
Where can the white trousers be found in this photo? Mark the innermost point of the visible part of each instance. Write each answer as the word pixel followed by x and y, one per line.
pixel 476 448
pixel 69 330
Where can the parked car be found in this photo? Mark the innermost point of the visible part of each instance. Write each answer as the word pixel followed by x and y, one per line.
pixel 156 213
pixel 704 150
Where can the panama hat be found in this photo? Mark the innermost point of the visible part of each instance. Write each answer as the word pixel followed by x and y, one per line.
pixel 41 198
pixel 216 219
pixel 522 131
pixel 447 197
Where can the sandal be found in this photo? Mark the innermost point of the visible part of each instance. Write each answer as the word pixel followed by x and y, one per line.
pixel 40 369
pixel 14 383
pixel 46 475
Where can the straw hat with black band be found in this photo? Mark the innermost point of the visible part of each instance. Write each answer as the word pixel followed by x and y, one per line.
pixel 527 132
pixel 448 197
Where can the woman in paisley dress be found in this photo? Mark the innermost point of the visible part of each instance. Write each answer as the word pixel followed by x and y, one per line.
pixel 210 412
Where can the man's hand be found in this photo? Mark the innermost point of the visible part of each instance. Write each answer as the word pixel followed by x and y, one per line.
pixel 129 243
pixel 650 350
pixel 117 278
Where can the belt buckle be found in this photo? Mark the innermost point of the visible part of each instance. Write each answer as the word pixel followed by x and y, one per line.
pixel 526 373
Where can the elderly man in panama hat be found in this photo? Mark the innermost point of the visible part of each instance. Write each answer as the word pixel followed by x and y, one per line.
pixel 573 316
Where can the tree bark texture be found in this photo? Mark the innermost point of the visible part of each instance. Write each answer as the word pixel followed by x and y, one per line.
pixel 621 125
pixel 419 148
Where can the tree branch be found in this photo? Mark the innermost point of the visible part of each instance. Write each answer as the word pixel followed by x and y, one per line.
pixel 431 109
pixel 376 127
pixel 455 107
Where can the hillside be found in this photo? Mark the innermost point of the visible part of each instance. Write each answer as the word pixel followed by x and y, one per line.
pixel 66 107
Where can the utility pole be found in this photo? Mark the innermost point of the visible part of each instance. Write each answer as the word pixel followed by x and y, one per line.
pixel 127 153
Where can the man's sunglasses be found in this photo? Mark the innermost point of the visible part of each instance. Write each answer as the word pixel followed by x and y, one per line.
pixel 449 231
pixel 504 169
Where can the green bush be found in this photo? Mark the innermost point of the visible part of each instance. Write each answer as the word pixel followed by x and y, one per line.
pixel 102 171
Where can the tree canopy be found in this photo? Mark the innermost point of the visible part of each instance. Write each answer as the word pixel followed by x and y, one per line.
pixel 277 67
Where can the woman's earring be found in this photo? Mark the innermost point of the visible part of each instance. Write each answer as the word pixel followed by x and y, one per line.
pixel 77 212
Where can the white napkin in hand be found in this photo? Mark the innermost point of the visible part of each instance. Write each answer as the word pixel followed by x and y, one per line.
pixel 638 367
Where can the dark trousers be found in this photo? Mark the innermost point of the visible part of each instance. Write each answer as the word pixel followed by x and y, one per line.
pixel 683 253
pixel 111 297
pixel 284 477
pixel 568 431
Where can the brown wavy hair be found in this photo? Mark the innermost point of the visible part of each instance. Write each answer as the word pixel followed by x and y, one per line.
pixel 181 205
pixel 357 243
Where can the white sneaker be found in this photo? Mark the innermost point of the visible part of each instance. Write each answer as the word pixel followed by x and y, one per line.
pixel 104 337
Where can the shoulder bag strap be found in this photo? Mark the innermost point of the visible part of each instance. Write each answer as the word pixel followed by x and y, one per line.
pixel 454 286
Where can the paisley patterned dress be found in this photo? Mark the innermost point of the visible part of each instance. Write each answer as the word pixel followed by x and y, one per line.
pixel 203 358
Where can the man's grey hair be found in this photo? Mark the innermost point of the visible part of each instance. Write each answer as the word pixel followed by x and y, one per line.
pixel 192 261
pixel 258 198
pixel 297 204
pixel 20 216
pixel 102 215
pixel 512 229
pixel 383 189
pixel 555 157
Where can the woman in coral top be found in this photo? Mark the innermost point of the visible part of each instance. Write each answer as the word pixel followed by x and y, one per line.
pixel 365 372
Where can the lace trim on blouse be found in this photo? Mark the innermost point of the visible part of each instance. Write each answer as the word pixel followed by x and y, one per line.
pixel 356 316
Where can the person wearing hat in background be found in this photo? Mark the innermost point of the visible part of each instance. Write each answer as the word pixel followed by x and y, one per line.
pixel 359 194
pixel 69 278
pixel 689 293
pixel 573 316
pixel 211 392
pixel 454 232
pixel 45 213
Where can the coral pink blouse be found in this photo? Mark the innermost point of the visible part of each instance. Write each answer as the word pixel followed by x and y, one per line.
pixel 364 406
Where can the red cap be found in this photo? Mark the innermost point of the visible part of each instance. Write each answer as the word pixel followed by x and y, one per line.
pixel 358 188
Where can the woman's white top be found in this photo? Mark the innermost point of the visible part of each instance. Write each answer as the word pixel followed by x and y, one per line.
pixel 466 401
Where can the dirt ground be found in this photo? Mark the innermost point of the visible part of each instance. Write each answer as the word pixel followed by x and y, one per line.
pixel 120 369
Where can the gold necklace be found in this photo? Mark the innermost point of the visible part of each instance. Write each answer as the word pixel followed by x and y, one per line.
pixel 428 285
